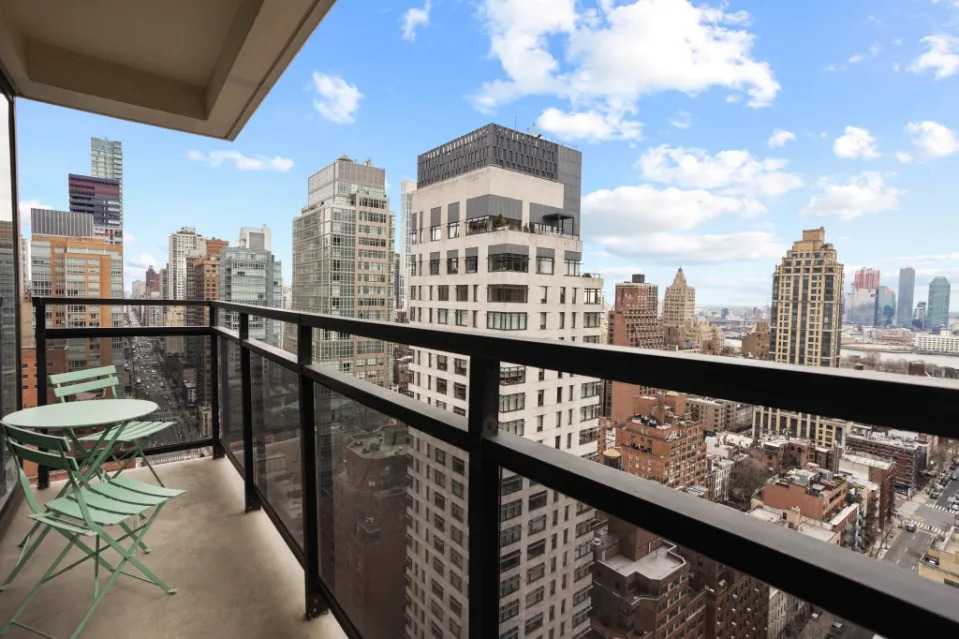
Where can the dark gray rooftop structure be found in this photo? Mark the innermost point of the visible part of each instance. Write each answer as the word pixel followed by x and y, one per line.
pixel 495 145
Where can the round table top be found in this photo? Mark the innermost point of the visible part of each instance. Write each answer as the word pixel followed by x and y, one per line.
pixel 94 412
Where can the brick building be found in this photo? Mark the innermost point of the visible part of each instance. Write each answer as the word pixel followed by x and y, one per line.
pixel 661 443
pixel 907 456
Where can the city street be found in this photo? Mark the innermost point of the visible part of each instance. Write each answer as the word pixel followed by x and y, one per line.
pixel 909 547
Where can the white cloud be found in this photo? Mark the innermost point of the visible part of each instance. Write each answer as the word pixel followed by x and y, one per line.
pixel 673 248
pixel 855 142
pixel 336 99
pixel 614 55
pixel 682 120
pixel 135 266
pixel 862 194
pixel 780 137
pixel 608 212
pixel 589 125
pixel 413 18
pixel 934 139
pixel 242 162
pixel 26 205
pixel 830 68
pixel 732 172
pixel 862 57
pixel 903 157
pixel 942 56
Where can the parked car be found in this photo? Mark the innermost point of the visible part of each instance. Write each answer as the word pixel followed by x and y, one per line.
pixel 911 526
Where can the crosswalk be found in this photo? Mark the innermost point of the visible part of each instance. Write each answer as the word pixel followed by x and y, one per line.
pixel 944 509
pixel 930 528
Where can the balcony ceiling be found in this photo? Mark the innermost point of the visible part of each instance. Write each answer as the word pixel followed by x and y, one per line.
pixel 201 66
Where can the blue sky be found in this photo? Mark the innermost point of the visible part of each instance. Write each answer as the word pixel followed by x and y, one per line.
pixel 712 133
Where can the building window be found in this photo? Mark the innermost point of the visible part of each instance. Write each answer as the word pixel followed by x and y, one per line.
pixel 587 413
pixel 442 316
pixel 434 267
pixel 508 611
pixel 544 265
pixel 536 596
pixel 459 366
pixel 508 262
pixel 511 510
pixel 509 560
pixel 459 466
pixel 453 229
pixel 506 294
pixel 472 264
pixel 509 586
pixel 537 501
pixel 591 320
pixel 536 573
pixel 463 293
pixel 458 489
pixel 443 293
pixel 572 268
pixel 510 535
pixel 452 265
pixel 512 375
pixel 514 427
pixel 506 321
pixel 542 321
pixel 538 524
pixel 436 233
pixel 592 296
pixel 461 317
pixel 441 362
pixel 590 389
pixel 512 402
pixel 511 485
pixel 536 549
pixel 459 391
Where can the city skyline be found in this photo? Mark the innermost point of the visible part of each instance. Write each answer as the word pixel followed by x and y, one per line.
pixel 260 178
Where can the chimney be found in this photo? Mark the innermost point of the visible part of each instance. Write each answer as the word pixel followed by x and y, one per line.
pixel 661 408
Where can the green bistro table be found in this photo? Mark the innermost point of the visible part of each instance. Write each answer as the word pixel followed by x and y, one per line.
pixel 73 417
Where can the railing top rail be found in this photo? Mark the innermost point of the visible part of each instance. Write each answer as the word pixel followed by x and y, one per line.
pixel 115 301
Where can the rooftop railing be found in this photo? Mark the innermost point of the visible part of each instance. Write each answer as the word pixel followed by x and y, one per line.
pixel 885 598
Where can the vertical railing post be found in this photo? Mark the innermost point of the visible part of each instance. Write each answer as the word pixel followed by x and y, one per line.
pixel 214 383
pixel 40 337
pixel 246 386
pixel 315 602
pixel 484 500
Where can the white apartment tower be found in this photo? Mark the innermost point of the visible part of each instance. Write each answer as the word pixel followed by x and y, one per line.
pixel 256 238
pixel 106 161
pixel 407 187
pixel 496 249
pixel 183 244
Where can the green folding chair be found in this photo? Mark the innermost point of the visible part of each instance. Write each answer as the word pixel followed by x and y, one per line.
pixel 67 386
pixel 86 511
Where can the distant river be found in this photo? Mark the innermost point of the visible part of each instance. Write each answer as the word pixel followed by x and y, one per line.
pixel 936 360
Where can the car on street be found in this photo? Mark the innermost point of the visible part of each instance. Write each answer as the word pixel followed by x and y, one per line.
pixel 911 526
pixel 954 506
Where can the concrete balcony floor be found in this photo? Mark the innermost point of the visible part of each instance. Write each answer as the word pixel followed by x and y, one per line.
pixel 234 574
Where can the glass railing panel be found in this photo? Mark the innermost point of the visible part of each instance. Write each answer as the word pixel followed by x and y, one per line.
pixel 231 398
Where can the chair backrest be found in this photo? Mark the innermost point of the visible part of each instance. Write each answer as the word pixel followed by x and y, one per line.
pixel 51 451
pixel 69 385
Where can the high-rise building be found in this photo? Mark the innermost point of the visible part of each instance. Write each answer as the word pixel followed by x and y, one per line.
pixel 203 283
pixel 937 310
pixel 137 289
pixel 679 302
pixel 907 288
pixel 256 238
pixel 407 187
pixel 152 281
pixel 867 278
pixel 396 284
pixel 65 223
pixel 252 276
pixel 183 244
pixel 885 306
pixel 806 318
pixel 342 257
pixel 99 197
pixel 919 316
pixel 863 306
pixel 106 159
pixel 633 321
pixel 496 249
pixel 80 267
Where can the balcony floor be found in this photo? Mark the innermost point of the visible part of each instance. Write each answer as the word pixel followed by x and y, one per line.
pixel 234 574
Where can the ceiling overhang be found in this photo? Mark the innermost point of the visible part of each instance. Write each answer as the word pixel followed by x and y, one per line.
pixel 200 66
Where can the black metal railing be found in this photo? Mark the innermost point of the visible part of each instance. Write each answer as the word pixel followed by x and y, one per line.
pixel 882 597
